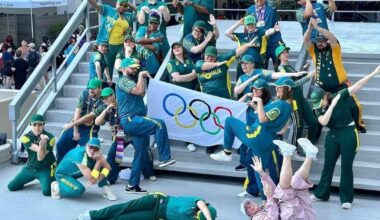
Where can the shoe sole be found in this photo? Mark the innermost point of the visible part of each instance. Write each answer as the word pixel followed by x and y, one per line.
pixel 307 146
pixel 52 186
pixel 281 144
pixel 134 192
pixel 167 163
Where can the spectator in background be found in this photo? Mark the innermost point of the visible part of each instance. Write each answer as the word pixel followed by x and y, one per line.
pixel 7 67
pixel 43 50
pixel 69 48
pixel 33 58
pixel 98 65
pixel 318 11
pixel 160 7
pixel 129 51
pixel 24 49
pixel 8 43
pixel 20 70
pixel 194 10
pixel 113 28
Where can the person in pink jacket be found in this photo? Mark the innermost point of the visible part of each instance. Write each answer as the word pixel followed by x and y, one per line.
pixel 290 199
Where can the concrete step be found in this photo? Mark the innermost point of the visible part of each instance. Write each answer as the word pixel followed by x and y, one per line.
pixel 5 152
pixel 59 115
pixel 372 122
pixel 370 108
pixel 373 83
pixel 83 67
pixel 359 183
pixel 68 103
pixel 369 94
pixel 73 90
pixel 365 153
pixel 80 78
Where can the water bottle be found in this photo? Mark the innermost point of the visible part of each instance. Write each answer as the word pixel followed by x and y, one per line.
pixel 119 146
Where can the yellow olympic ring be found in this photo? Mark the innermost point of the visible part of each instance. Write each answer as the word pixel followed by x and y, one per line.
pixel 179 123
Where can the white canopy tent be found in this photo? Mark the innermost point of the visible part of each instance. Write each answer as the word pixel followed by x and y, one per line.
pixel 22 4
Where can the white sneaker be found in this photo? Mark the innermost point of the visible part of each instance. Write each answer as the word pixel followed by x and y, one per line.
pixel 346 205
pixel 297 157
pixel 54 187
pixel 221 156
pixel 285 148
pixel 84 216
pixel 313 198
pixel 152 178
pixel 108 194
pixel 243 194
pixel 309 148
pixel 191 147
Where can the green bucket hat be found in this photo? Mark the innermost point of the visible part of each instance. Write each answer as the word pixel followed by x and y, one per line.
pixel 94 84
pixel 129 62
pixel 284 81
pixel 129 37
pixel 106 92
pixel 211 51
pixel 94 142
pixel 212 210
pixel 259 84
pixel 280 49
pixel 317 97
pixel 37 118
pixel 247 59
pixel 249 20
pixel 200 24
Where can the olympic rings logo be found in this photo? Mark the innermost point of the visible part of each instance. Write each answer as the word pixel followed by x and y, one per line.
pixel 194 113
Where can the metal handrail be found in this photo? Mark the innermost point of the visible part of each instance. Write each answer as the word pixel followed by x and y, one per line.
pixel 48 60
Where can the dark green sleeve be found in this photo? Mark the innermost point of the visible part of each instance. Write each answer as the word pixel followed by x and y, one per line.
pixel 171 67
pixel 98 110
pixel 198 66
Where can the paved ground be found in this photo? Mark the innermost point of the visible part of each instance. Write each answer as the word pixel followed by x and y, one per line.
pixel 30 204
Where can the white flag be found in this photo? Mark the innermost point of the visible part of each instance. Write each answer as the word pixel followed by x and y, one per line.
pixel 192 116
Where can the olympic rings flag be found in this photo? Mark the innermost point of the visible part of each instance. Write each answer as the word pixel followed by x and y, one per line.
pixel 192 116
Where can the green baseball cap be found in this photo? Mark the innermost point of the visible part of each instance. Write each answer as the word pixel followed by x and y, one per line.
pixel 106 92
pixel 284 81
pixel 122 1
pixel 212 210
pixel 154 19
pixel 94 83
pixel 211 51
pixel 102 42
pixel 280 49
pixel 129 62
pixel 317 97
pixel 249 20
pixel 94 142
pixel 37 118
pixel 200 24
pixel 129 37
pixel 259 84
pixel 247 59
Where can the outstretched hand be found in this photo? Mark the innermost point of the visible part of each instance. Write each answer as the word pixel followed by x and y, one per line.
pixel 212 21
pixel 257 164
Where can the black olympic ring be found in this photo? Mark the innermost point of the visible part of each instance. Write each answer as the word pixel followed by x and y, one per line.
pixel 196 117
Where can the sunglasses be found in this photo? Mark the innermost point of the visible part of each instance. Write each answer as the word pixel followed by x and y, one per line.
pixel 198 30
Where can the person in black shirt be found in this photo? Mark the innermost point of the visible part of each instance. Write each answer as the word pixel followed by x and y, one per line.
pixel 20 70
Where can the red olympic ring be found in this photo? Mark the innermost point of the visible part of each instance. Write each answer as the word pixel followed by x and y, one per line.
pixel 215 110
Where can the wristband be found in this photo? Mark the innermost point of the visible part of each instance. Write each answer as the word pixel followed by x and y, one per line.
pixel 95 174
pixel 105 172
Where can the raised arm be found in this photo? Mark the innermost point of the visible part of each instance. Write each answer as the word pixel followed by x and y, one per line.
pixel 212 22
pixel 362 82
pixel 308 12
pixel 324 119
pixel 332 6
pixel 94 4
pixel 326 33
pixel 229 32
pixel 201 46
pixel 260 109
pixel 307 36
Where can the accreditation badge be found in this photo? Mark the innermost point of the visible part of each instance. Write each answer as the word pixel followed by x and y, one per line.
pixel 260 24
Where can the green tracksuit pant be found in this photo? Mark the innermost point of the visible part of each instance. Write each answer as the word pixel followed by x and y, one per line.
pixel 152 207
pixel 113 50
pixel 28 174
pixel 304 115
pixel 345 143
pixel 70 187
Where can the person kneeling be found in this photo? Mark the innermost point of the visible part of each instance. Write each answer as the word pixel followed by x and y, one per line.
pixel 290 199
pixel 84 161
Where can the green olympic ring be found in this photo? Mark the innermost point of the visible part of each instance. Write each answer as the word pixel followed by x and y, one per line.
pixel 204 129
pixel 179 110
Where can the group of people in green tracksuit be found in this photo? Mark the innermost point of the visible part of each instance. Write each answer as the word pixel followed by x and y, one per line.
pixel 195 63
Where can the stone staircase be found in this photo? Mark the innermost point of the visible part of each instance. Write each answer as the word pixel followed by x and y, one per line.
pixel 366 165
